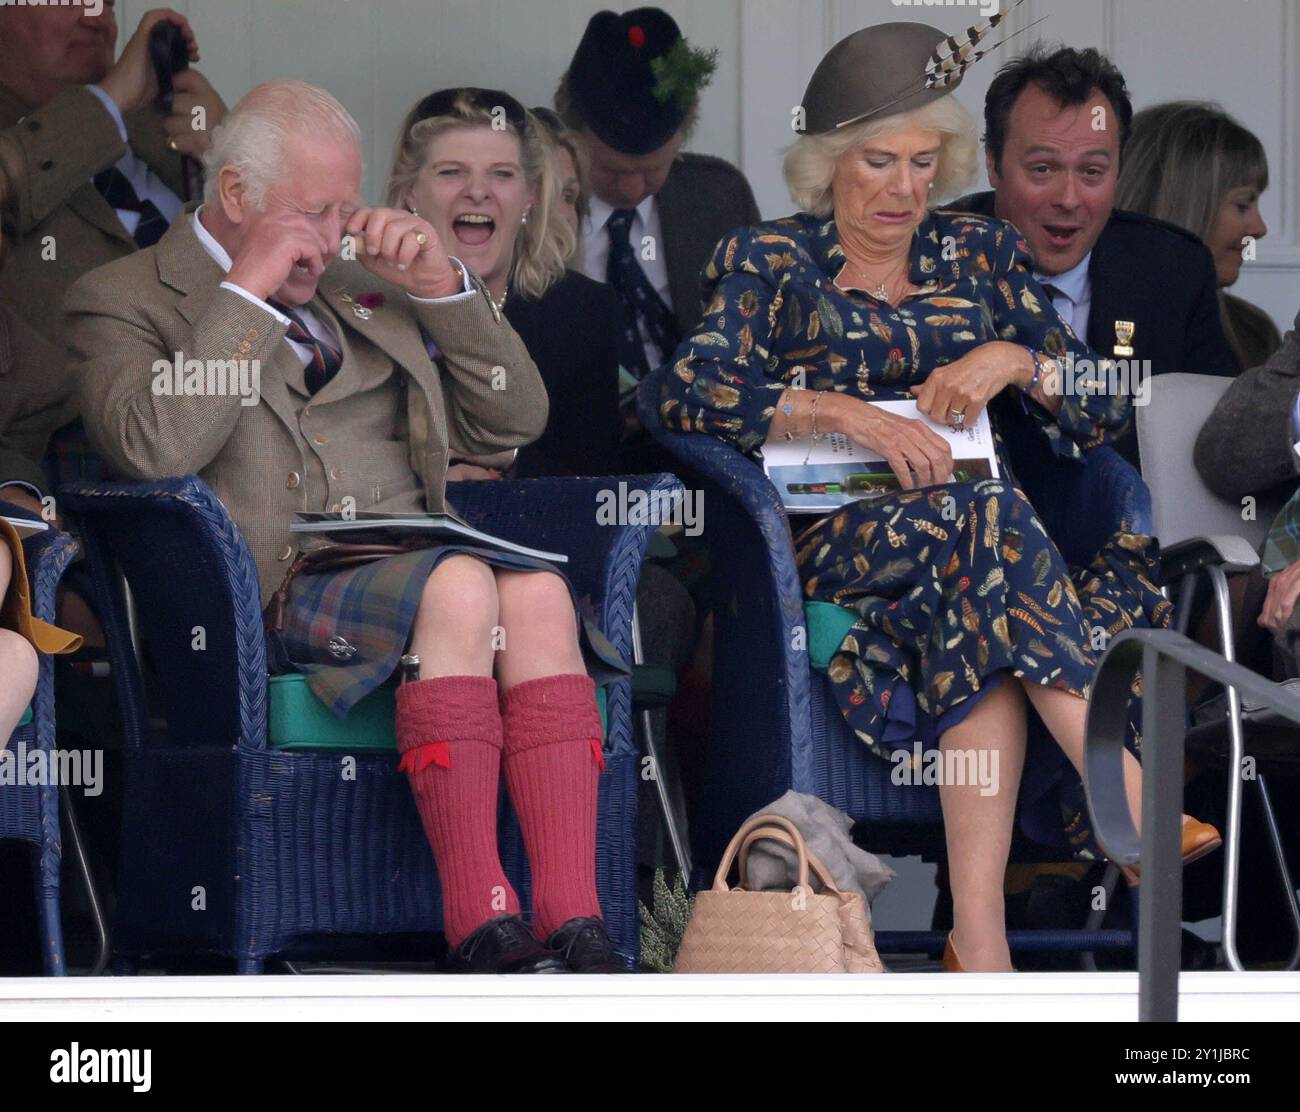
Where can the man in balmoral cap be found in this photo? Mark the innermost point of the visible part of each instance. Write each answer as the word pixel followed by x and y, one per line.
pixel 633 92
pixel 1134 287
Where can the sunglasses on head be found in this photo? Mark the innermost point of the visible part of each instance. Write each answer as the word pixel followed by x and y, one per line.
pixel 444 103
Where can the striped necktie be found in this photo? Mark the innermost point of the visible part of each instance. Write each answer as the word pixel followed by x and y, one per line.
pixel 641 302
pixel 118 191
pixel 325 359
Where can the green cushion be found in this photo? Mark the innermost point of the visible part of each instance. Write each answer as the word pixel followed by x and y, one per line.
pixel 828 625
pixel 661 548
pixel 26 719
pixel 299 720
pixel 652 687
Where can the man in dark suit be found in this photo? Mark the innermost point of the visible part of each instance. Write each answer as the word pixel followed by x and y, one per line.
pixel 656 213
pixel 1133 287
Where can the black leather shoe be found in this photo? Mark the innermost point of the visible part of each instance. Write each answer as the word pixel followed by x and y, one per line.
pixel 503 945
pixel 585 947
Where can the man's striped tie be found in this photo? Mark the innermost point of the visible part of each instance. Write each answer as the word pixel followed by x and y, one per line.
pixel 325 359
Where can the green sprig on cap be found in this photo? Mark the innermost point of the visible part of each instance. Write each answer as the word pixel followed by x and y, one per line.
pixel 682 73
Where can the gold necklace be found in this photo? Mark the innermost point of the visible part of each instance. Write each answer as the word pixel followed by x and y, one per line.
pixel 880 292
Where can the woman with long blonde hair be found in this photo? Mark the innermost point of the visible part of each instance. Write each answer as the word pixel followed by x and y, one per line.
pixel 481 169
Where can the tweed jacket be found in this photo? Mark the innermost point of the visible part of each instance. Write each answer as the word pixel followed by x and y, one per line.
pixel 35 399
pixel 1246 444
pixel 61 226
pixel 291 451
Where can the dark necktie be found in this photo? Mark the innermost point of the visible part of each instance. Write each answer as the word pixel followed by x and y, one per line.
pixel 325 359
pixel 120 193
pixel 641 302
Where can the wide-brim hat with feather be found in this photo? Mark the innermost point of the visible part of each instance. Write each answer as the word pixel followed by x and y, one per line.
pixel 890 69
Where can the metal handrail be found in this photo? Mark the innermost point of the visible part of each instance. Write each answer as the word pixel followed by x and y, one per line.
pixel 1162 657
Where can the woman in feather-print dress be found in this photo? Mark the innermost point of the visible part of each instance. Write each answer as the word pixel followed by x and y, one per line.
pixel 966 609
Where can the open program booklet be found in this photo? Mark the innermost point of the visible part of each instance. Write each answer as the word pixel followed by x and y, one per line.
pixel 369 527
pixel 823 475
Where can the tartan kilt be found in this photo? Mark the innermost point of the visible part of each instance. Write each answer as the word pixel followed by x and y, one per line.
pixel 346 631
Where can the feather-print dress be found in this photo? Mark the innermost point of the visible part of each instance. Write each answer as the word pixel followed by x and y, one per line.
pixel 955 585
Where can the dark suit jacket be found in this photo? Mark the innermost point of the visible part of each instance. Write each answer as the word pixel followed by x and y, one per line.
pixel 703 199
pixel 572 335
pixel 1245 446
pixel 1160 277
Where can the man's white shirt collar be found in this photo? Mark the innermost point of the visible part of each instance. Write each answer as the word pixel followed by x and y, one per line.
pixel 1072 283
pixel 601 211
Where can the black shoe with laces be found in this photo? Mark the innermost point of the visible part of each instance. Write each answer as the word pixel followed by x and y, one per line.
pixel 503 945
pixel 585 947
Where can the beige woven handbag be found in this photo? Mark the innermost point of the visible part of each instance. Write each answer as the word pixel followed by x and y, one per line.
pixel 736 931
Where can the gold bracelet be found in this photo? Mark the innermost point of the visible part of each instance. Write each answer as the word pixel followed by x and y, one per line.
pixel 816 398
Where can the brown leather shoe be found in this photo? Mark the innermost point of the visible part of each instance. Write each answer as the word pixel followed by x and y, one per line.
pixel 951 962
pixel 1199 839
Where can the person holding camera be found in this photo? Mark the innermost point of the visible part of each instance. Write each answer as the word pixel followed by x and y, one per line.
pixel 95 166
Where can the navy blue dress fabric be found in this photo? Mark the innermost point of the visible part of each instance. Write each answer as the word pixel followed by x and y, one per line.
pixel 957 586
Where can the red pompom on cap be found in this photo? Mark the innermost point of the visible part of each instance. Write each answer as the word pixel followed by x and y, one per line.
pixel 636 36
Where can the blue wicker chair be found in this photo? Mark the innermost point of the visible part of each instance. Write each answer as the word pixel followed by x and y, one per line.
pixel 30 813
pixel 287 851
pixel 775 723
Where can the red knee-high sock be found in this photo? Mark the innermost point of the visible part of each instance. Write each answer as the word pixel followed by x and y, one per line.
pixel 449 735
pixel 553 763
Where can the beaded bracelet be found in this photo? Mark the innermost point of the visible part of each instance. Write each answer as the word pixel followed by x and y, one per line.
pixel 1038 371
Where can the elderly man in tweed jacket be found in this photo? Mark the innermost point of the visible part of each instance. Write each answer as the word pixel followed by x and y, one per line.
pixel 377 432
pixel 246 346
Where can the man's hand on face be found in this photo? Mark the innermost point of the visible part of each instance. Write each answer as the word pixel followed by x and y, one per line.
pixel 277 244
pixel 131 82
pixel 193 90
pixel 403 249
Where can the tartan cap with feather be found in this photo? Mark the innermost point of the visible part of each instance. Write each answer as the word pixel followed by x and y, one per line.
pixel 889 69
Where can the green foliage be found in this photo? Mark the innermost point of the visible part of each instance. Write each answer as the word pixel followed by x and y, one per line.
pixel 682 73
pixel 661 932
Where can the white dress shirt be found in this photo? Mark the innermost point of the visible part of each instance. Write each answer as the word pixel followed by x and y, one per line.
pixel 1074 299
pixel 147 185
pixel 646 223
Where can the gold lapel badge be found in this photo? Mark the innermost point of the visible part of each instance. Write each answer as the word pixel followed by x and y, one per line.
pixel 358 310
pixel 1124 330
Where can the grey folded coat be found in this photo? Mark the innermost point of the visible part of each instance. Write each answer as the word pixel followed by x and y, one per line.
pixel 773 865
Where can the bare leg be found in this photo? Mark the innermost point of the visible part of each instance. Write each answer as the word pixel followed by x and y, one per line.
pixel 453 627
pixel 1065 715
pixel 541 630
pixel 978 828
